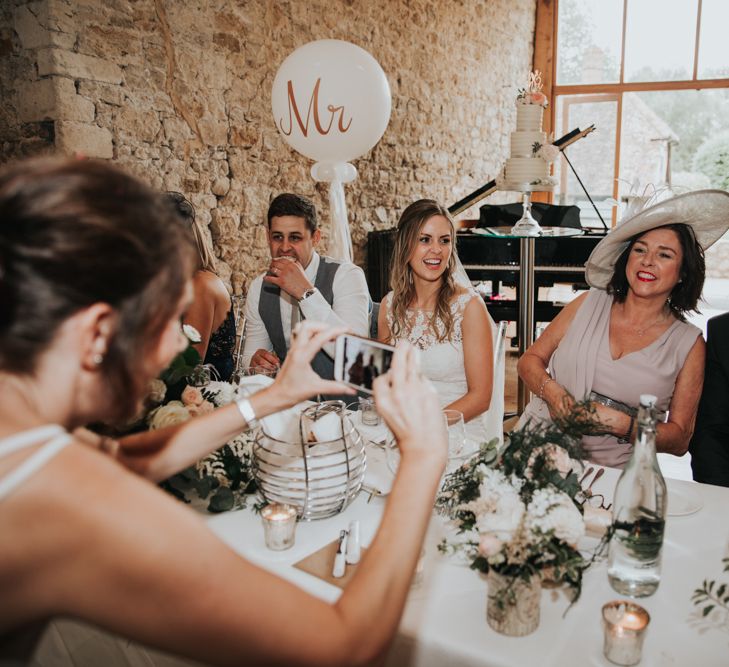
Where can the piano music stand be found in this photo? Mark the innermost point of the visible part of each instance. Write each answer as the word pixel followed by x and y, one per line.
pixel 525 331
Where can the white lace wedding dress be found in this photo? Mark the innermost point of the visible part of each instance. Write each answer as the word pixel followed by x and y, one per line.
pixel 444 365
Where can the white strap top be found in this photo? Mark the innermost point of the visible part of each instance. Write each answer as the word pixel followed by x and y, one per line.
pixel 57 438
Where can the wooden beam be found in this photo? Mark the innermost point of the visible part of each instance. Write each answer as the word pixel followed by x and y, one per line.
pixel 545 40
pixel 640 86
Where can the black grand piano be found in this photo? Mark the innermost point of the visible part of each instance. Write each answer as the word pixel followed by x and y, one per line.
pixel 486 258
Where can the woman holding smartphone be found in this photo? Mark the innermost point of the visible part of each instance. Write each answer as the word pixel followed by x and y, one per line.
pixel 448 322
pixel 94 280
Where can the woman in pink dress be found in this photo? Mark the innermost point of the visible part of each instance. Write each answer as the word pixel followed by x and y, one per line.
pixel 628 336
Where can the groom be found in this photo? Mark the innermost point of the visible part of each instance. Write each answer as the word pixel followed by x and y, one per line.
pixel 300 284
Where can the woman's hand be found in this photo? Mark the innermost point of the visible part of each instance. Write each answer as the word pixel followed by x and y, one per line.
pixel 408 403
pixel 297 380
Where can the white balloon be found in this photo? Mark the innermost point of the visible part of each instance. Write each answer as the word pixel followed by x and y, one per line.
pixel 344 172
pixel 331 101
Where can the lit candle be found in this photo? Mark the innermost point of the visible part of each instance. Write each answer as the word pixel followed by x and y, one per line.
pixel 624 624
pixel 279 526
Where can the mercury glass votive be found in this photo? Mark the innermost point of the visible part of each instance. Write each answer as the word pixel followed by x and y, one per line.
pixel 624 624
pixel 279 526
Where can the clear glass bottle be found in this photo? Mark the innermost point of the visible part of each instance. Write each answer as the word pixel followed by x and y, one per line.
pixel 639 513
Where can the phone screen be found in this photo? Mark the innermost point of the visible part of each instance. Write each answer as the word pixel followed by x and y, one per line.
pixel 362 361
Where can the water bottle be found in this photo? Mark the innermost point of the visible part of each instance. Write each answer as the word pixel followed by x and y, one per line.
pixel 639 513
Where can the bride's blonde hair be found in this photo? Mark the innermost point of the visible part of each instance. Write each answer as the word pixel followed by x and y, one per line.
pixel 401 275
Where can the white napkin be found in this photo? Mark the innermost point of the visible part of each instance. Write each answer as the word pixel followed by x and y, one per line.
pixel 326 427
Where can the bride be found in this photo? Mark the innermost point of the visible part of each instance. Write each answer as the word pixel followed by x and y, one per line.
pixel 447 321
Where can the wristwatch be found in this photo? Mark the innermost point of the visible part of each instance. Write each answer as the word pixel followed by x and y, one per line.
pixel 246 411
pixel 307 294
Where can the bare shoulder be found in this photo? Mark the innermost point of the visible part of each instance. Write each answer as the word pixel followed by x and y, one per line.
pixel 211 287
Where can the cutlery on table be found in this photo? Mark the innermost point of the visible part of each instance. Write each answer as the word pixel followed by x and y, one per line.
pixel 588 472
pixel 598 475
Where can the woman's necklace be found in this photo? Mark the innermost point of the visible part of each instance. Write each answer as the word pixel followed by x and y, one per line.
pixel 641 331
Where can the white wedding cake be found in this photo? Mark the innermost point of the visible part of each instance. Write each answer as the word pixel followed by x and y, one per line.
pixel 527 170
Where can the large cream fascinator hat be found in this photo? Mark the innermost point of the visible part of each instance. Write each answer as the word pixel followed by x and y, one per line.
pixel 705 211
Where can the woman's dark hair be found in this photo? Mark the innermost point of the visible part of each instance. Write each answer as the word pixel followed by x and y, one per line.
pixel 686 294
pixel 75 233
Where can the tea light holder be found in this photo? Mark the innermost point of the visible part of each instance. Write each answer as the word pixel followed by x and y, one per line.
pixel 624 624
pixel 279 526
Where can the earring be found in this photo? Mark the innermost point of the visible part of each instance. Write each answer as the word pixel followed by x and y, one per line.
pixel 98 359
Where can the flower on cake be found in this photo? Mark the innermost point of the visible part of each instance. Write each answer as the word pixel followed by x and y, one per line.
pixel 548 152
pixel 533 94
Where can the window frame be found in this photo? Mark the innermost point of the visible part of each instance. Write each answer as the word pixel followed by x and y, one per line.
pixel 545 60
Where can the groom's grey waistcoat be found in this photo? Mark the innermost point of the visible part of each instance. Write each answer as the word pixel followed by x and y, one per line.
pixel 269 308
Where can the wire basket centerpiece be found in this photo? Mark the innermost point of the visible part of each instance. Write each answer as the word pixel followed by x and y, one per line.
pixel 318 468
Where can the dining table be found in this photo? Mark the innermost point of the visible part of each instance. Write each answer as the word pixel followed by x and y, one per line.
pixel 444 621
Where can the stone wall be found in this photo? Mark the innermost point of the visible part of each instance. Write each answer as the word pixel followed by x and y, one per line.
pixel 179 93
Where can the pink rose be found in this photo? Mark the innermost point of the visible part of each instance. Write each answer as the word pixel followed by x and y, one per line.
pixel 192 396
pixel 538 98
pixel 206 407
pixel 489 545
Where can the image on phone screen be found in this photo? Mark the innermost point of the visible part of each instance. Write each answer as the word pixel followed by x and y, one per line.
pixel 364 361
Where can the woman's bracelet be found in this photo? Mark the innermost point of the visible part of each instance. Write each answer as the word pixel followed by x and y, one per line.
pixel 544 384
pixel 246 411
pixel 626 436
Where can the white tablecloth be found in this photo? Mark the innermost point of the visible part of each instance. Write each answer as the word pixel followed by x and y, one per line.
pixel 445 618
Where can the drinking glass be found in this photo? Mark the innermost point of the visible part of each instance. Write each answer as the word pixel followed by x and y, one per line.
pixel 368 412
pixel 456 427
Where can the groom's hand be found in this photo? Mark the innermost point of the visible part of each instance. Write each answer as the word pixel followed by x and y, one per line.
pixel 287 274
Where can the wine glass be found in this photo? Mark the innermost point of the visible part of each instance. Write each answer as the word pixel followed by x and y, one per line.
pixel 456 427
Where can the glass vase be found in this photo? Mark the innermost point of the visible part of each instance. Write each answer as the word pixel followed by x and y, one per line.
pixel 513 604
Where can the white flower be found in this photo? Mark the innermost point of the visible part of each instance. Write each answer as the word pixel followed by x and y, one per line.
pixel 157 391
pixel 191 333
pixel 220 393
pixel 499 508
pixel 548 152
pixel 168 415
pixel 551 510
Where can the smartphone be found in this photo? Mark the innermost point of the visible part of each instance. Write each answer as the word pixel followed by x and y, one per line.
pixel 358 361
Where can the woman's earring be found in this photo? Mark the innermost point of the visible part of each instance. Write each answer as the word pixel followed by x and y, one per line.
pixel 98 359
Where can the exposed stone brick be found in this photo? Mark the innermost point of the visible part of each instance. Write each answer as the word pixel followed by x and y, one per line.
pixel 184 101
pixel 89 140
pixel 77 65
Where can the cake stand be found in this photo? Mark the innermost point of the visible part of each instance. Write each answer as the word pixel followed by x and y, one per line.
pixel 526 225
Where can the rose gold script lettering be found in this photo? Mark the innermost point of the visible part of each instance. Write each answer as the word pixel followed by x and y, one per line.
pixel 313 106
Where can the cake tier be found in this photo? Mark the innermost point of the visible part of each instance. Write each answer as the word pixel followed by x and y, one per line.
pixel 522 143
pixel 529 117
pixel 525 169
